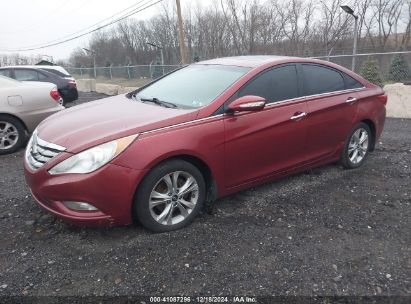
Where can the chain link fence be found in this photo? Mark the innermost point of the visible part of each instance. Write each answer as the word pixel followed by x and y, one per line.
pixel 379 68
pixel 126 75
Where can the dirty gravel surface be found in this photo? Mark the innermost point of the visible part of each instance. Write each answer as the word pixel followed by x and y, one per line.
pixel 325 232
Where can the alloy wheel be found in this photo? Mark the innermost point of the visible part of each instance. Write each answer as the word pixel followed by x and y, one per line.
pixel 358 146
pixel 173 198
pixel 9 135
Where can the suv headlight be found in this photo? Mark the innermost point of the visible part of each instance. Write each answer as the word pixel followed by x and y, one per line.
pixel 93 158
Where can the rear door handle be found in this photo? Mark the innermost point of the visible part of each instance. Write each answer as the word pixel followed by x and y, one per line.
pixel 298 116
pixel 351 99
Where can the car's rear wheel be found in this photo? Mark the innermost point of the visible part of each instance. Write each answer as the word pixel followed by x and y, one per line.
pixel 170 196
pixel 12 134
pixel 62 102
pixel 357 147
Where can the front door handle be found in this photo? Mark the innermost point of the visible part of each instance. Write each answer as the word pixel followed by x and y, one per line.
pixel 298 116
pixel 351 99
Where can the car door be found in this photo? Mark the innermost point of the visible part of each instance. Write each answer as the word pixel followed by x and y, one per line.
pixel 332 109
pixel 258 144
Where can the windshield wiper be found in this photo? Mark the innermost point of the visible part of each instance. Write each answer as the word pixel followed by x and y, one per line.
pixel 157 101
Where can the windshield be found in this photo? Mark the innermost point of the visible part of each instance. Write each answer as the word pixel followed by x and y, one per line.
pixel 194 86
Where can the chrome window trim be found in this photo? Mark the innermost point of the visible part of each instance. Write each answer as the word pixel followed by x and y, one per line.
pixel 273 103
pixel 335 92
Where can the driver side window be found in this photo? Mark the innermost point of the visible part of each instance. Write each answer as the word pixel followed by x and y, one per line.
pixel 277 84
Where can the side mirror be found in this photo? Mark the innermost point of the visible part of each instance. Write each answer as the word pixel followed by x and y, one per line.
pixel 247 103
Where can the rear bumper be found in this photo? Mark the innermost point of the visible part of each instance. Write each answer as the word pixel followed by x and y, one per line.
pixel 110 189
pixel 69 94
pixel 33 118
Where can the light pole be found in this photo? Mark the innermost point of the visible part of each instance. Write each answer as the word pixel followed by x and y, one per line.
pixel 94 61
pixel 161 53
pixel 350 11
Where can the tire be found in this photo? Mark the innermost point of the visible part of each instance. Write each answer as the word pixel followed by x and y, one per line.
pixel 62 102
pixel 64 98
pixel 161 204
pixel 12 134
pixel 355 153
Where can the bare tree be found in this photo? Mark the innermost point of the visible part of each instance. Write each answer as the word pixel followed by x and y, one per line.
pixel 234 27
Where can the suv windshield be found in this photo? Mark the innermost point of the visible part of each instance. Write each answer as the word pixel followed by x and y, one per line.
pixel 194 86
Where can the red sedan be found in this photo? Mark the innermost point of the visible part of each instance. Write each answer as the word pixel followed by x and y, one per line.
pixel 202 132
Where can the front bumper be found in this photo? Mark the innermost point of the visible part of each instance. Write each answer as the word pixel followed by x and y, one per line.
pixel 110 189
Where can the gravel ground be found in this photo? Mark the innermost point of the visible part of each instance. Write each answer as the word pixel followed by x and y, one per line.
pixel 324 232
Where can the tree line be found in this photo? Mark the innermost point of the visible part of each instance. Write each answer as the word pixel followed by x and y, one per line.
pixel 240 27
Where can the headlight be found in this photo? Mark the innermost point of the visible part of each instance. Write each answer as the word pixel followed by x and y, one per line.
pixel 93 158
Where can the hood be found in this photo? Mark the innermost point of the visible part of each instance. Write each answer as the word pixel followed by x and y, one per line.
pixel 96 122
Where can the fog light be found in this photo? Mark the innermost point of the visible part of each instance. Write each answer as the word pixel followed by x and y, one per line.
pixel 81 206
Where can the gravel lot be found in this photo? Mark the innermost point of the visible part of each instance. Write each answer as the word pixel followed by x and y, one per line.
pixel 324 232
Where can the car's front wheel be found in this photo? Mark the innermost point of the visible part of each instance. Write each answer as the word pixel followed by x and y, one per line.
pixel 12 134
pixel 357 147
pixel 170 196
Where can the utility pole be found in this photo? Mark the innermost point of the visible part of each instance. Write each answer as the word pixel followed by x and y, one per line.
pixel 93 53
pixel 183 51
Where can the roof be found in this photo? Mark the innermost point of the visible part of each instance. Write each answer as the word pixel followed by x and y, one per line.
pixel 22 66
pixel 245 61
pixel 39 67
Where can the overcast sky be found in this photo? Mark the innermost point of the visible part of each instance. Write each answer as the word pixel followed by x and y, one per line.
pixel 27 23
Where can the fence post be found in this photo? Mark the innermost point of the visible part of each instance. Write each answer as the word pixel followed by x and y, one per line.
pixel 111 73
pixel 128 72
pixel 151 70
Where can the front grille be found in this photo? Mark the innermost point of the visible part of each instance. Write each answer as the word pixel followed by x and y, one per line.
pixel 39 152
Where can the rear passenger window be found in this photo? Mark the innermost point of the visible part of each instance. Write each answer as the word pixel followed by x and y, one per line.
pixel 319 80
pixel 41 76
pixel 26 75
pixel 274 85
pixel 351 83
pixel 5 73
pixel 58 73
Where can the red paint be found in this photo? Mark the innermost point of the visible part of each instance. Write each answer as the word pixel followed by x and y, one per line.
pixel 241 149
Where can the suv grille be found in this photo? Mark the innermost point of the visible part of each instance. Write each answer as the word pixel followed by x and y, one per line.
pixel 39 152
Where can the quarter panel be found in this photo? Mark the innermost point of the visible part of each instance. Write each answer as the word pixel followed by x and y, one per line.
pixel 330 120
pixel 372 109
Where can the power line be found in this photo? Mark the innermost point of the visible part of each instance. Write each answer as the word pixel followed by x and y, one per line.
pixel 84 29
pixel 52 43
pixel 95 24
